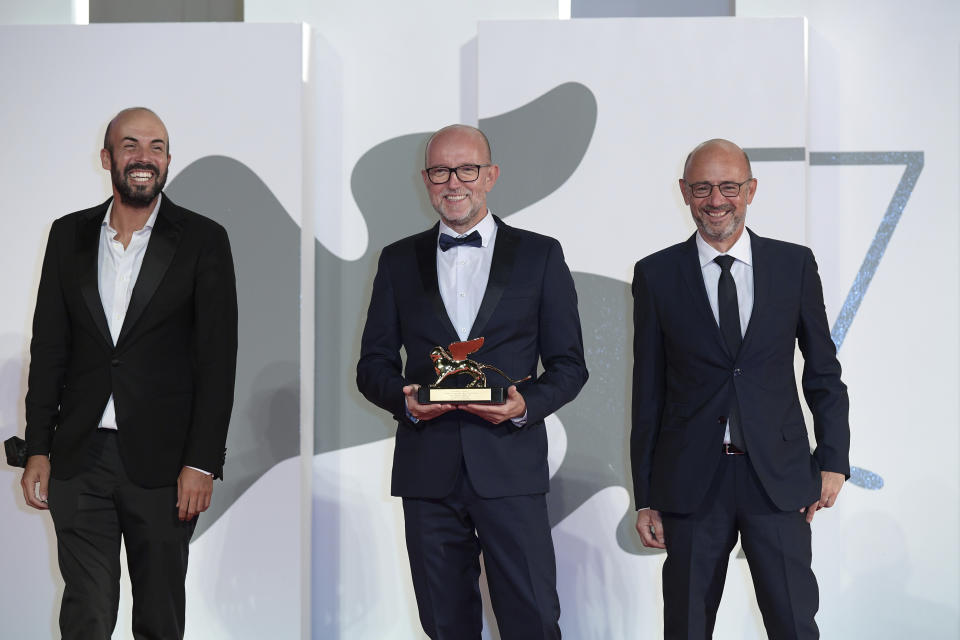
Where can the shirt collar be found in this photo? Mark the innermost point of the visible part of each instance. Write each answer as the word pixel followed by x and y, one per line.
pixel 487 227
pixel 741 250
pixel 152 220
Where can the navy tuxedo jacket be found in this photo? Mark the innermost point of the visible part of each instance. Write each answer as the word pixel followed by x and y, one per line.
pixel 172 369
pixel 528 313
pixel 684 380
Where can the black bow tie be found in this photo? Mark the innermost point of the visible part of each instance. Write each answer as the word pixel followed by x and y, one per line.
pixel 470 240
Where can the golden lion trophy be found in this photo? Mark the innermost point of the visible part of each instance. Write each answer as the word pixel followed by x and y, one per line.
pixel 453 361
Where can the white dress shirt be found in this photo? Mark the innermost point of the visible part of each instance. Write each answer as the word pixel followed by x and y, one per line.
pixel 117 271
pixel 742 272
pixel 462 273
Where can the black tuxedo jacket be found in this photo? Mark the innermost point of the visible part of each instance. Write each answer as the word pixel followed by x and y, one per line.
pixel 172 369
pixel 528 313
pixel 684 379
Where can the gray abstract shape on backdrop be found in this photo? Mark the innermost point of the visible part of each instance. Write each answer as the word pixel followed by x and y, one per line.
pixel 388 190
pixel 264 428
pixel 540 145
pixel 776 154
pixel 597 423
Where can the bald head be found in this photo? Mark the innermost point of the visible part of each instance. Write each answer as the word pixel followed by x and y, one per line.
pixel 461 131
pixel 718 185
pixel 461 199
pixel 136 153
pixel 129 113
pixel 718 145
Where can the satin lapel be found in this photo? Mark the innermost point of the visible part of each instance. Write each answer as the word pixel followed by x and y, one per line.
pixel 761 285
pixel 501 266
pixel 160 251
pixel 693 276
pixel 88 246
pixel 426 247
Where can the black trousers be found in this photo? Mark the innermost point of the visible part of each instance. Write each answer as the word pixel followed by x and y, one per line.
pixel 777 546
pixel 444 540
pixel 91 511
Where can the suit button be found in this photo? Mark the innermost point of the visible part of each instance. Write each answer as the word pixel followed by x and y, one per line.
pixel 722 419
pixel 115 362
pixel 737 372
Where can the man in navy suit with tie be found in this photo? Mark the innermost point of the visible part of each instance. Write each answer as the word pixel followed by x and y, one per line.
pixel 718 445
pixel 473 477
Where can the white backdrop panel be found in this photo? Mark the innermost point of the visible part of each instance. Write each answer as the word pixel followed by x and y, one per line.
pixel 396 69
pixel 891 557
pixel 887 560
pixel 661 87
pixel 227 89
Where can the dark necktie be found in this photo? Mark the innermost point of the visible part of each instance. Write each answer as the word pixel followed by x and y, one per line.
pixel 730 329
pixel 470 240
pixel 727 305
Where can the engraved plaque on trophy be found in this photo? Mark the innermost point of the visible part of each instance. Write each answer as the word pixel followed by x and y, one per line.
pixel 453 368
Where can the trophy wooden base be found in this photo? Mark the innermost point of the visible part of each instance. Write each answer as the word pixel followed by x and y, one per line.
pixel 473 395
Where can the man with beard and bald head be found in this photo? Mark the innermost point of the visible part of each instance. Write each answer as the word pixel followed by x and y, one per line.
pixel 718 445
pixel 132 366
pixel 473 477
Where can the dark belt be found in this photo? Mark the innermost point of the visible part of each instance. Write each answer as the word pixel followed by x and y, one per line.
pixel 731 450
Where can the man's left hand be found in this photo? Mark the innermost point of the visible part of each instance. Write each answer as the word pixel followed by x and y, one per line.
pixel 831 482
pixel 514 407
pixel 194 489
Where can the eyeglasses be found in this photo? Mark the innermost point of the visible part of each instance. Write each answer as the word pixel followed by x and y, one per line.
pixel 728 189
pixel 465 173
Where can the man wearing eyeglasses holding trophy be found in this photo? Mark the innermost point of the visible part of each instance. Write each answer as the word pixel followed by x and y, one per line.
pixel 472 468
pixel 718 445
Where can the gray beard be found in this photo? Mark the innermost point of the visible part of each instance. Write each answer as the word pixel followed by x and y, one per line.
pixel 735 223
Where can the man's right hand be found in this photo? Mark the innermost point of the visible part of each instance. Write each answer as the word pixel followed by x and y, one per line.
pixel 36 472
pixel 650 528
pixel 423 411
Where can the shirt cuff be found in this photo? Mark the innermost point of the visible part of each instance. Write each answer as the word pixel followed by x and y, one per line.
pixel 520 421
pixel 409 415
pixel 200 470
